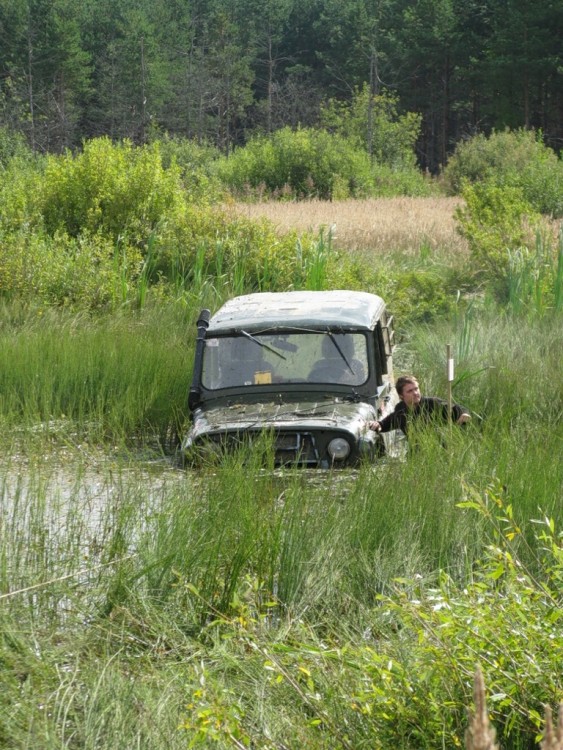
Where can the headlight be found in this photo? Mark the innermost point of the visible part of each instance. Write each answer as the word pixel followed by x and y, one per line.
pixel 338 449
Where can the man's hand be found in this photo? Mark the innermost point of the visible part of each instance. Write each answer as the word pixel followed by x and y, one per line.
pixel 375 426
pixel 464 419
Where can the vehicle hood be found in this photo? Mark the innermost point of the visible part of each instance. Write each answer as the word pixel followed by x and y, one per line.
pixel 324 414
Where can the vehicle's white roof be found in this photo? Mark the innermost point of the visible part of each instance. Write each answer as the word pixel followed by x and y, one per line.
pixel 310 310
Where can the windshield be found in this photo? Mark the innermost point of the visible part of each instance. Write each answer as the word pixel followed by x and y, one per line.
pixel 262 359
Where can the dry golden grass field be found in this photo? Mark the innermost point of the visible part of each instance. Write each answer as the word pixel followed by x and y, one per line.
pixel 373 225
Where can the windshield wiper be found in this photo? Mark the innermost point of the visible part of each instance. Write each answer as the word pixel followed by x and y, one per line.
pixel 262 344
pixel 339 350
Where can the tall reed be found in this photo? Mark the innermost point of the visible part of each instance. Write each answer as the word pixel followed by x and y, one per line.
pixel 535 277
pixel 107 376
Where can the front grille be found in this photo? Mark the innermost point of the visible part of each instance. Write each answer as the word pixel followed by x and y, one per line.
pixel 296 447
pixel 289 447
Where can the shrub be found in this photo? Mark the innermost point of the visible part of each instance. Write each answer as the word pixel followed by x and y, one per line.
pixel 414 294
pixel 100 227
pixel 515 159
pixel 115 189
pixel 234 253
pixel 20 193
pixel 390 182
pixel 196 163
pixel 390 139
pixel 299 163
pixel 496 221
pixel 89 271
pixel 12 144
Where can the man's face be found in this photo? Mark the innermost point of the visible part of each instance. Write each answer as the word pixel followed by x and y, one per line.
pixel 411 394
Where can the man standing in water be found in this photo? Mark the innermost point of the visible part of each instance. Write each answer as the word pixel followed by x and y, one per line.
pixel 414 406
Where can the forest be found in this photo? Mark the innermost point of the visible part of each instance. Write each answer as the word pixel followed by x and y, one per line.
pixel 221 71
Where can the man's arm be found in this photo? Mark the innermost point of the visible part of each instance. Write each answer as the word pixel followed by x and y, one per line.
pixel 394 421
pixel 460 415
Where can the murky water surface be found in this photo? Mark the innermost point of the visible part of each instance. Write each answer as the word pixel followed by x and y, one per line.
pixel 83 489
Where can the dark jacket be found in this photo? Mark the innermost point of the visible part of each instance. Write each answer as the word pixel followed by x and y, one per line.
pixel 428 410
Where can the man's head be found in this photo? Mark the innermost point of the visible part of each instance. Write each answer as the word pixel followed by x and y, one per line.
pixel 408 390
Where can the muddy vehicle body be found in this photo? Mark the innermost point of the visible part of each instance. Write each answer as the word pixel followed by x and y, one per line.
pixel 309 368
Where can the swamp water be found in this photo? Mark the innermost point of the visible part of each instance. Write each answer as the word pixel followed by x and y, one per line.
pixel 65 513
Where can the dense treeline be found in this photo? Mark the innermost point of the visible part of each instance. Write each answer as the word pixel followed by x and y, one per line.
pixel 219 70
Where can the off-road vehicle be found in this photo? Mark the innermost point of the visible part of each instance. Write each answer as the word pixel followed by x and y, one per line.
pixel 310 369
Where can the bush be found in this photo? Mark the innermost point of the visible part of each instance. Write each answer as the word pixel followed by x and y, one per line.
pixel 232 253
pixel 196 163
pixel 496 221
pixel 116 189
pixel 391 140
pixel 101 226
pixel 88 271
pixel 514 159
pixel 390 182
pixel 413 294
pixel 12 145
pixel 302 163
pixel 20 193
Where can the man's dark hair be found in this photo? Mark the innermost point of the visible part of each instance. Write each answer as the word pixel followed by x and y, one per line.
pixel 403 381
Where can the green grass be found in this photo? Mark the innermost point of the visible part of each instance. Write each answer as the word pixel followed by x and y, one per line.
pixel 96 378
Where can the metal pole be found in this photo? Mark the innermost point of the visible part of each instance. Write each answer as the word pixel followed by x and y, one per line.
pixel 450 376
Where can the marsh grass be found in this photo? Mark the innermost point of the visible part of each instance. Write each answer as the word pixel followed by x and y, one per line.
pixel 506 367
pixel 535 277
pixel 408 226
pixel 73 377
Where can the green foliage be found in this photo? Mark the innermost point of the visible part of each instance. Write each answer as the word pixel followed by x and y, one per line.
pixel 493 620
pixel 496 221
pixel 109 225
pixel 421 295
pixel 495 356
pixel 113 225
pixel 297 164
pixel 115 189
pixel 390 182
pixel 308 163
pixel 535 278
pixel 12 145
pixel 406 679
pixel 111 377
pixel 88 271
pixel 20 191
pixel 196 163
pixel 415 291
pixel 233 254
pixel 373 121
pixel 517 160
